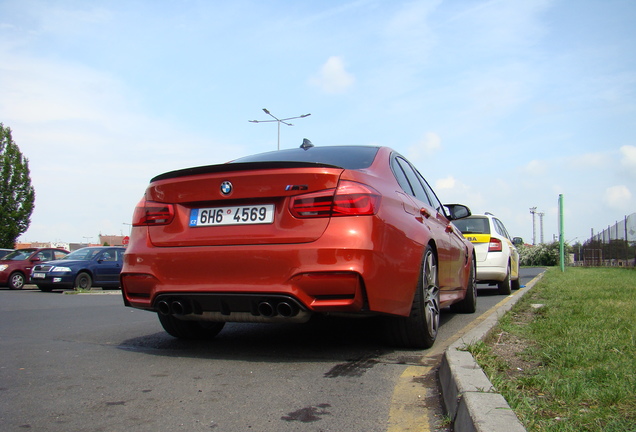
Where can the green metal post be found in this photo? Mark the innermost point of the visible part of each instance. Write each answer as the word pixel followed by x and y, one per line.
pixel 561 234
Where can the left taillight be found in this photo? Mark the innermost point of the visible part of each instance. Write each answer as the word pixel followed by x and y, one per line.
pixel 349 199
pixel 494 245
pixel 150 213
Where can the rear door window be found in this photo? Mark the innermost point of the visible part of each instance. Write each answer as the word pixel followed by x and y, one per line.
pixel 403 170
pixel 500 228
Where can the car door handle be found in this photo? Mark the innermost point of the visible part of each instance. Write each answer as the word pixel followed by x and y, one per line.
pixel 424 212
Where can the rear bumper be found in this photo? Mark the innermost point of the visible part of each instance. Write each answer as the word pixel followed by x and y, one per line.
pixel 485 274
pixel 491 266
pixel 236 283
pixel 348 272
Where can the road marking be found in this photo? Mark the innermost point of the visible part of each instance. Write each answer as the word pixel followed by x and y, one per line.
pixel 408 411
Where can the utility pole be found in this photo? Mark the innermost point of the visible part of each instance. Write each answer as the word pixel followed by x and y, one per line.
pixel 541 226
pixel 533 211
pixel 279 121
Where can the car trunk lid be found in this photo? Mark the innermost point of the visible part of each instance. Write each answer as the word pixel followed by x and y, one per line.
pixel 481 243
pixel 239 204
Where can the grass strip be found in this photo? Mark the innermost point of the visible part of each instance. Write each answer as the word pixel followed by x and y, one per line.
pixel 564 356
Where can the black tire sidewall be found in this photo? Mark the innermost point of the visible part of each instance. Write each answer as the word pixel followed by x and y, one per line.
pixel 504 287
pixel 79 278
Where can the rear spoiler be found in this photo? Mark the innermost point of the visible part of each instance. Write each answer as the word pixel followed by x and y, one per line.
pixel 244 166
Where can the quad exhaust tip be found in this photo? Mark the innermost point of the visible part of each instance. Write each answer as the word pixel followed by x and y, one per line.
pixel 265 309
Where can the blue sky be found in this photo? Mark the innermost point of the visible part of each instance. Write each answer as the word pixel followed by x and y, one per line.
pixel 502 104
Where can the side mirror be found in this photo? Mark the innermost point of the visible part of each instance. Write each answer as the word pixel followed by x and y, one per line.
pixel 457 211
pixel 517 241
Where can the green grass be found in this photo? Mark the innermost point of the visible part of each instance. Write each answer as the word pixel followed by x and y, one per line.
pixel 576 367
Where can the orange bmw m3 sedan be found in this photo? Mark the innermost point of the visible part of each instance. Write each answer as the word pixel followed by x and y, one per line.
pixel 284 235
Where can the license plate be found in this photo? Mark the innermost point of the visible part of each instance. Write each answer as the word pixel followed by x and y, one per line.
pixel 238 215
pixel 38 275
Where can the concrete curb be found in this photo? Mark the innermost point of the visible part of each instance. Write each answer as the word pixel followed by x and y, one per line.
pixel 468 395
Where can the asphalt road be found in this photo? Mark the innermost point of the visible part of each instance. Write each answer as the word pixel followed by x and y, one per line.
pixel 87 363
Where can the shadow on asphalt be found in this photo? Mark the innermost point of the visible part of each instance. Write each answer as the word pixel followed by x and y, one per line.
pixel 320 339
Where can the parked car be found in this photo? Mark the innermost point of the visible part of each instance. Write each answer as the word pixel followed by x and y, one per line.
pixel 15 267
pixel 277 237
pixel 5 252
pixel 497 256
pixel 81 269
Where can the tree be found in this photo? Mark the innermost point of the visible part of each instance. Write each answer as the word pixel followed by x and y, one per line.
pixel 17 196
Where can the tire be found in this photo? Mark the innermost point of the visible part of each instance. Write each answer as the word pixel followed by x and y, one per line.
pixel 419 329
pixel 83 281
pixel 192 330
pixel 515 284
pixel 505 287
pixel 16 281
pixel 469 303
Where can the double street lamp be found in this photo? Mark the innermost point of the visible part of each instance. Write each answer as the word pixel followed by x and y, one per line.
pixel 277 120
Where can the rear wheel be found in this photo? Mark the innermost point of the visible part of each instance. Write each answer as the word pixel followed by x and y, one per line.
pixel 515 284
pixel 469 303
pixel 16 281
pixel 419 329
pixel 183 329
pixel 83 281
pixel 504 286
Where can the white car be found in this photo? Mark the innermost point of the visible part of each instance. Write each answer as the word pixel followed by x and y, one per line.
pixel 497 256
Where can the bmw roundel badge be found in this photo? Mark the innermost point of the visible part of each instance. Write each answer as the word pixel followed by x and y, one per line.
pixel 226 188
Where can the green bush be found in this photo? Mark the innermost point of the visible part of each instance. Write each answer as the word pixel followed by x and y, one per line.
pixel 545 254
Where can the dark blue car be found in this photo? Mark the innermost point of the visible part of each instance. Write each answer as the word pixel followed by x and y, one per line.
pixel 81 269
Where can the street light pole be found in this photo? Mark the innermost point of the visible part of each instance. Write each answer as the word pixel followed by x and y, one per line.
pixel 279 121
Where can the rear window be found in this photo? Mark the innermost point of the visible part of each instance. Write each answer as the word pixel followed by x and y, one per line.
pixel 347 157
pixel 473 225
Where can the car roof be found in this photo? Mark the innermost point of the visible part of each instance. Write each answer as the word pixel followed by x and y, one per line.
pixel 351 157
pixel 102 247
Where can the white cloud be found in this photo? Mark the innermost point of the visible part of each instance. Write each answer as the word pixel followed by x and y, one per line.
pixel 618 197
pixel 446 183
pixel 451 190
pixel 427 146
pixel 590 161
pixel 333 78
pixel 536 168
pixel 88 143
pixel 498 23
pixel 408 34
pixel 628 159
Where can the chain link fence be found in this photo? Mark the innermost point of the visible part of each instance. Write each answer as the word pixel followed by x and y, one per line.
pixel 612 247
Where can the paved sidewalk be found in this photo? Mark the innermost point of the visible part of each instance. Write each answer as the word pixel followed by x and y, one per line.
pixel 469 397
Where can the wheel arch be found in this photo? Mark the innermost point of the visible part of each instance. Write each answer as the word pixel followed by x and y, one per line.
pixel 84 270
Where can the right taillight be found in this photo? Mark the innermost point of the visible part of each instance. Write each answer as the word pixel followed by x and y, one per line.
pixel 494 245
pixel 149 213
pixel 349 199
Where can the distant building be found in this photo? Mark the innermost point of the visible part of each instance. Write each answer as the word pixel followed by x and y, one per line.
pixel 111 240
pixel 59 245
